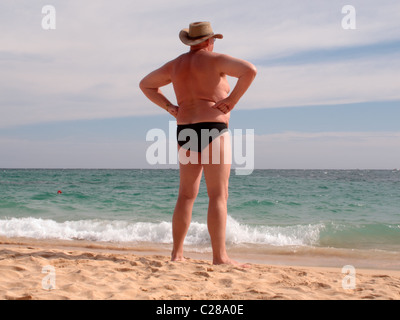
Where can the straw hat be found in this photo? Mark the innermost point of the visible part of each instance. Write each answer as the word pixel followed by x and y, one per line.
pixel 197 33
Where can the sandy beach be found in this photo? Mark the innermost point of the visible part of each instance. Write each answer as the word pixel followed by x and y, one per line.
pixel 40 270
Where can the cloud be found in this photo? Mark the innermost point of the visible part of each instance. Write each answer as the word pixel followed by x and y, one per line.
pixel 288 150
pixel 26 153
pixel 279 28
pixel 328 150
pixel 90 66
pixel 339 82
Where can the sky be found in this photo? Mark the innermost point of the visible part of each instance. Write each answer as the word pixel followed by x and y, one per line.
pixel 325 97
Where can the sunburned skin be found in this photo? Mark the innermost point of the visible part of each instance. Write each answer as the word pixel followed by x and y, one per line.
pixel 198 87
pixel 199 78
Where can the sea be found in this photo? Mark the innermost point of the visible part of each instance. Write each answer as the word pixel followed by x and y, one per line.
pixel 328 218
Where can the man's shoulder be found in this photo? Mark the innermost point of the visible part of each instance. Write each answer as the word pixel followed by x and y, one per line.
pixel 171 63
pixel 178 59
pixel 186 57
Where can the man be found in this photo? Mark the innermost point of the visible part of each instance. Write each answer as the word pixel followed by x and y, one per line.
pixel 204 104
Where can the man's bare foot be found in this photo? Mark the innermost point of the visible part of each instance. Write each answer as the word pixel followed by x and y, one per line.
pixel 177 257
pixel 231 262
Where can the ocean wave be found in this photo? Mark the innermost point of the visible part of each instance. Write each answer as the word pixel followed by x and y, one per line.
pixel 369 235
pixel 161 232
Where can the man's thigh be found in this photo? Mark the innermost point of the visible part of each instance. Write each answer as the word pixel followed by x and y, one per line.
pixel 190 177
pixel 217 170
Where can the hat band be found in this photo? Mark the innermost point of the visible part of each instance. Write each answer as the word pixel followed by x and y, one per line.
pixel 199 37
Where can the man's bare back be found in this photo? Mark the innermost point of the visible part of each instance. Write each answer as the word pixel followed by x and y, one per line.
pixel 198 86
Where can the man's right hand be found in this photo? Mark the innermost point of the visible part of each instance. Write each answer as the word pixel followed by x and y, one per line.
pixel 225 105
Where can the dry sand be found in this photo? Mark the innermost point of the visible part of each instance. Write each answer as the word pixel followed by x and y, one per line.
pixel 103 273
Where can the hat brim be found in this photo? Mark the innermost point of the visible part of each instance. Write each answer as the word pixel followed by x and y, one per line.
pixel 184 36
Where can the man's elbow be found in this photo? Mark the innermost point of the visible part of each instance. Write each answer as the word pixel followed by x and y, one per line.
pixel 142 85
pixel 252 70
pixel 250 73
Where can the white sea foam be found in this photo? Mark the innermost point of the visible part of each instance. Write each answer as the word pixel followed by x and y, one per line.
pixel 125 231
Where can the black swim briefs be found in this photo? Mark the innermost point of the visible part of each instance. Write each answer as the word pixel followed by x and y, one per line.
pixel 197 136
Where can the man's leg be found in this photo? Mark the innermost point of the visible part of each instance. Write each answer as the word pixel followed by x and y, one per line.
pixel 217 180
pixel 190 177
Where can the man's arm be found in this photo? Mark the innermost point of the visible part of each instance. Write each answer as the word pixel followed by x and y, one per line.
pixel 151 84
pixel 241 69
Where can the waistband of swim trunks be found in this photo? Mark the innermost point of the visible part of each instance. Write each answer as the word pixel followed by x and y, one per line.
pixel 204 125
